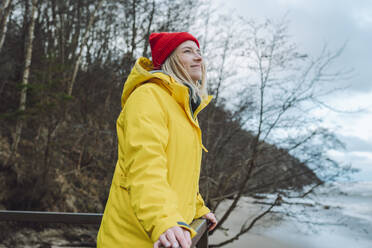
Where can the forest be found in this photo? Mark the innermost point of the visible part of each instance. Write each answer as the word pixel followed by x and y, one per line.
pixel 62 69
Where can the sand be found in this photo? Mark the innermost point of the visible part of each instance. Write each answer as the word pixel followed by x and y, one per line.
pixel 330 219
pixel 245 211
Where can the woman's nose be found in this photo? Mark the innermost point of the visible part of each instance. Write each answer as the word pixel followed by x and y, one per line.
pixel 198 57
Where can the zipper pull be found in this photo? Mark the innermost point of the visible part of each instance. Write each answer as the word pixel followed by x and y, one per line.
pixel 205 149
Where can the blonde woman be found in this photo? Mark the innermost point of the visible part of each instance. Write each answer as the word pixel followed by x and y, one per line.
pixel 154 194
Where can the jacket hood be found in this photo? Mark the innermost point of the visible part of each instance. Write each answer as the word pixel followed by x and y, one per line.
pixel 141 73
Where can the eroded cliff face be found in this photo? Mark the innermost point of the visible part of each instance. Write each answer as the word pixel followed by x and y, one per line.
pixel 231 149
pixel 47 236
pixel 76 176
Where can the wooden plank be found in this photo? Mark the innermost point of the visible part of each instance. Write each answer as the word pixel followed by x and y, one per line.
pixel 200 226
pixel 203 242
pixel 51 217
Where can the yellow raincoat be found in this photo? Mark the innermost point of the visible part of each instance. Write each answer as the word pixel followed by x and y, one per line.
pixel 156 180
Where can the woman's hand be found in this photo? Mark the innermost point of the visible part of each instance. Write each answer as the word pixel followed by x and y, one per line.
pixel 212 218
pixel 174 237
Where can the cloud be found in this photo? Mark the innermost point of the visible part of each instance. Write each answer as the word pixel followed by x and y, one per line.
pixel 363 18
pixel 312 24
pixel 358 160
pixel 356 144
pixel 316 22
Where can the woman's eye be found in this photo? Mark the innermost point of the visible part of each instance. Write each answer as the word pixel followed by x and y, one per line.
pixel 187 51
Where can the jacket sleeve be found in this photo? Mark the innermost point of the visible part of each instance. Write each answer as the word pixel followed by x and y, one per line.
pixel 144 123
pixel 201 209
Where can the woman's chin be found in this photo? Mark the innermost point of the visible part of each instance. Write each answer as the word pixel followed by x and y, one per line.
pixel 196 77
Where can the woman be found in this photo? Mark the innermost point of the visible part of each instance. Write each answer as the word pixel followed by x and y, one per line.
pixel 154 194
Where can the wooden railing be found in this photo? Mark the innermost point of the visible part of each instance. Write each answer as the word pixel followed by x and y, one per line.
pixel 200 225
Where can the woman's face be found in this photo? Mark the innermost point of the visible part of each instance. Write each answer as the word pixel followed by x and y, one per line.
pixel 190 57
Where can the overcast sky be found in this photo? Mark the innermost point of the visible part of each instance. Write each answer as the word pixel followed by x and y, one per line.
pixel 314 23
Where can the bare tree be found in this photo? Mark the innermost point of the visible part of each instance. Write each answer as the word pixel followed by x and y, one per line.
pixel 280 87
pixel 82 45
pixel 25 78
pixel 4 14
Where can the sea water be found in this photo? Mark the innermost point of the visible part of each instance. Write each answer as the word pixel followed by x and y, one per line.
pixel 337 215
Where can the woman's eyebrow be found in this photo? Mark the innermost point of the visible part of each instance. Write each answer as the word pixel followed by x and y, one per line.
pixel 191 48
pixel 188 47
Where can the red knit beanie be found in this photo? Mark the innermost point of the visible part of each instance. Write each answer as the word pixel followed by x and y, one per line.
pixel 163 44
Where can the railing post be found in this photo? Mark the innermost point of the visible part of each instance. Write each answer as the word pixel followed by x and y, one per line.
pixel 203 242
pixel 201 238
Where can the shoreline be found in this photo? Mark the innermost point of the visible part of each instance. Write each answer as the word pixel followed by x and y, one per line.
pixel 336 216
pixel 257 240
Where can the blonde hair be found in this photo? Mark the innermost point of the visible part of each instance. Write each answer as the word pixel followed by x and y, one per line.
pixel 174 68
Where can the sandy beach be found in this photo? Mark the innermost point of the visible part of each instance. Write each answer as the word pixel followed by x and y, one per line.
pixel 261 241
pixel 335 217
pixel 246 210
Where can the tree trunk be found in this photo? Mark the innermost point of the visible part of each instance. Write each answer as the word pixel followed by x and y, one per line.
pixel 83 43
pixel 26 72
pixel 147 35
pixel 4 13
pixel 3 7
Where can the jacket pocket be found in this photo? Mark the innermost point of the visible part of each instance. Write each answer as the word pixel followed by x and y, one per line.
pixel 120 177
